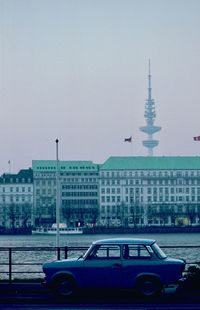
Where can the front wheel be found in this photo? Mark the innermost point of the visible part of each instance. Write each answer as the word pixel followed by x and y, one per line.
pixel 64 287
pixel 149 286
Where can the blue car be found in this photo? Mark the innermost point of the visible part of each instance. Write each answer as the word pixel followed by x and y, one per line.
pixel 115 263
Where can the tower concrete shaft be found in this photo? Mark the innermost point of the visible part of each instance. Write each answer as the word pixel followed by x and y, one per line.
pixel 150 115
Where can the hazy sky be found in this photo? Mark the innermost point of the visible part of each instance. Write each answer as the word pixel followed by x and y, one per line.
pixel 77 70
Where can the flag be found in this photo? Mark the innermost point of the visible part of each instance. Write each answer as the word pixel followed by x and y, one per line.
pixel 197 138
pixel 128 139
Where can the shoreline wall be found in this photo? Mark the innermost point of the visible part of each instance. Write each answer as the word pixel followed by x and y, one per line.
pixel 142 230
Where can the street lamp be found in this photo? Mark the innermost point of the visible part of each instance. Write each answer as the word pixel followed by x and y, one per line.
pixel 57 198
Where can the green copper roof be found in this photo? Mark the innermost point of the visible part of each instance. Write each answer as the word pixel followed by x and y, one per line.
pixel 151 163
pixel 50 165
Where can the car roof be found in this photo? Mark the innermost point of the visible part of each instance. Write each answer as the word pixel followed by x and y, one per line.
pixel 125 241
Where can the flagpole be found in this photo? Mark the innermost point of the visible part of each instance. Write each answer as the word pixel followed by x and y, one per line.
pixel 57 198
pixel 131 147
pixel 129 140
pixel 9 166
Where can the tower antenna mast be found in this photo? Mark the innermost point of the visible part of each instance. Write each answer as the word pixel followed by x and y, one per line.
pixel 150 115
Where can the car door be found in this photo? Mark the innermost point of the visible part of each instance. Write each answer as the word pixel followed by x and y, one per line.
pixel 103 268
pixel 136 260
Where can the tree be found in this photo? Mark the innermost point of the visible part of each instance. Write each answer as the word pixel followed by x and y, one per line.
pixel 12 214
pixel 25 214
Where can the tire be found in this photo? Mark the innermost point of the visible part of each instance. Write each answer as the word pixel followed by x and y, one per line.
pixel 64 287
pixel 149 286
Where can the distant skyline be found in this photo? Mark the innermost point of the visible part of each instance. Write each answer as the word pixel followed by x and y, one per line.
pixel 77 70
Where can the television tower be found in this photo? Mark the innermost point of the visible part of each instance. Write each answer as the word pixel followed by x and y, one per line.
pixel 150 116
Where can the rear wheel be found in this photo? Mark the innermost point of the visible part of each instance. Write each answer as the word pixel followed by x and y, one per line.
pixel 64 287
pixel 149 286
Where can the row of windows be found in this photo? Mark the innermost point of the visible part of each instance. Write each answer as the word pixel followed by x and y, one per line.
pixel 16 180
pixel 132 200
pixel 149 173
pixel 83 187
pixel 119 209
pixel 52 175
pixel 16 198
pixel 79 173
pixel 78 194
pixel 140 210
pixel 66 168
pixel 64 180
pixel 68 202
pixel 46 192
pixel 149 182
pixel 45 182
pixel 17 189
pixel 119 199
pixel 150 190
pixel 173 198
pixel 173 190
pixel 80 180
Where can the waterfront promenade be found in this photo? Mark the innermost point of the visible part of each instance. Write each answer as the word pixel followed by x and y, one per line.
pixel 34 295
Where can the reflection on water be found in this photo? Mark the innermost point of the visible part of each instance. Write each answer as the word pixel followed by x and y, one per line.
pixel 191 255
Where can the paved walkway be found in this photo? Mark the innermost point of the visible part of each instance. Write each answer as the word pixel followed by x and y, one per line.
pixel 35 294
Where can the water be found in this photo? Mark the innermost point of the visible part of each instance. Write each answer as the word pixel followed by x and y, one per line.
pixel 85 240
pixel 28 257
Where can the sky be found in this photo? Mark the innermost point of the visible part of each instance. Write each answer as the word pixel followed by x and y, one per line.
pixel 76 70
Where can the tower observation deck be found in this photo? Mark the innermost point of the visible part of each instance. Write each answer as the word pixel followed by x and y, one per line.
pixel 150 129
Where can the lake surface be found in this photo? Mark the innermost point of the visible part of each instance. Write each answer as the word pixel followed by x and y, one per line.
pixel 182 239
pixel 85 240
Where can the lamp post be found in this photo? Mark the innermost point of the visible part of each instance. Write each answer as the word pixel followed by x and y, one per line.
pixel 57 198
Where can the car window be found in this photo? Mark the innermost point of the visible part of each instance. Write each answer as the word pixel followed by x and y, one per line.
pixel 106 251
pixel 135 251
pixel 158 251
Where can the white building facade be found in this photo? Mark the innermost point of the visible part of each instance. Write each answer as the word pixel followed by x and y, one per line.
pixel 141 191
pixel 16 199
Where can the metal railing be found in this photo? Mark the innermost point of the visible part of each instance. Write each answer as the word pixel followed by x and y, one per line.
pixel 28 261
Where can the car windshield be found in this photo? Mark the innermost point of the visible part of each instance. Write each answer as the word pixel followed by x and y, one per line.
pixel 158 251
pixel 87 252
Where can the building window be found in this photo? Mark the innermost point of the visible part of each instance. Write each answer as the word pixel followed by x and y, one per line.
pixel 149 190
pixel 107 198
pixel 193 198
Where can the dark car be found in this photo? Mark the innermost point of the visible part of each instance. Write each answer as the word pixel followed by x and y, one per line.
pixel 115 263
